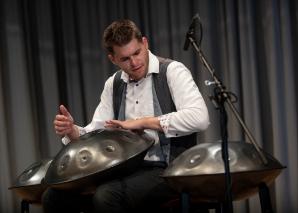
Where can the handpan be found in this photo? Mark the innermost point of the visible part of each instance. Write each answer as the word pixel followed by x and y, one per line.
pixel 96 157
pixel 200 171
pixel 29 184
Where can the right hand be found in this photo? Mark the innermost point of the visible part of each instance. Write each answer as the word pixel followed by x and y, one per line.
pixel 64 124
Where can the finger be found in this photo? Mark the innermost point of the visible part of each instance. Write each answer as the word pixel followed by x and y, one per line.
pixel 62 118
pixel 108 121
pixel 60 133
pixel 62 123
pixel 64 128
pixel 111 124
pixel 115 122
pixel 63 132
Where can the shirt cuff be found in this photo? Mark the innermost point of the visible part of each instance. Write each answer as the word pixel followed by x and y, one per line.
pixel 82 131
pixel 66 139
pixel 164 121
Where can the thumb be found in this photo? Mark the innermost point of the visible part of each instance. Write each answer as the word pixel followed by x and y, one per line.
pixel 64 111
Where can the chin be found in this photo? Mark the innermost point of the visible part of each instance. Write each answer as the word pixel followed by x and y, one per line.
pixel 139 77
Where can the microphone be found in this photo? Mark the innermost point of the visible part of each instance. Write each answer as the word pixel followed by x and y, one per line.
pixel 190 31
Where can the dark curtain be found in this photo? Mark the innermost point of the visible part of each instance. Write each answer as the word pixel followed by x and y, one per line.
pixel 51 54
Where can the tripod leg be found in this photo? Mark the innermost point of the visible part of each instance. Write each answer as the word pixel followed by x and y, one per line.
pixel 24 206
pixel 184 202
pixel 265 198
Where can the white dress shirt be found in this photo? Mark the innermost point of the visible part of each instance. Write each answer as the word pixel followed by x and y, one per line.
pixel 191 116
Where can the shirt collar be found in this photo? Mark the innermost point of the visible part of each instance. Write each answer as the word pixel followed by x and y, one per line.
pixel 153 67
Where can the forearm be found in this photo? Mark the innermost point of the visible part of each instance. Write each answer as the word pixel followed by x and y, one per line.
pixel 150 123
pixel 137 124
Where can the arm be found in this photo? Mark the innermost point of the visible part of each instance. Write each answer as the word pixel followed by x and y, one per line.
pixel 64 123
pixel 191 115
pixel 138 124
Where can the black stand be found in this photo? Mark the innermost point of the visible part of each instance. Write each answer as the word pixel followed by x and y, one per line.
pixel 184 202
pixel 228 202
pixel 24 206
pixel 221 97
pixel 265 198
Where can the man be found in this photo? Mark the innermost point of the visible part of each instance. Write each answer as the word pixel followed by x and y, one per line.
pixel 156 95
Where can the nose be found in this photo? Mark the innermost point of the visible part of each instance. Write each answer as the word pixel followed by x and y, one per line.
pixel 133 61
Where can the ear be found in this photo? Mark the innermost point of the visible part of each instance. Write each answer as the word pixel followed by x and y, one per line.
pixel 145 42
pixel 112 59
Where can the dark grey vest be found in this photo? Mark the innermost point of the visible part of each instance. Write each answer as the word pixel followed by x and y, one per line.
pixel 165 105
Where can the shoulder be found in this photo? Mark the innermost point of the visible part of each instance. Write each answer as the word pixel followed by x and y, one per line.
pixel 177 69
pixel 177 65
pixel 171 64
pixel 110 81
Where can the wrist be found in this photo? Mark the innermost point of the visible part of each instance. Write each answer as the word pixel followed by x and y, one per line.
pixel 74 133
pixel 151 123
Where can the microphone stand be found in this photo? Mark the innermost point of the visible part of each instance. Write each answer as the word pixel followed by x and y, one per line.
pixel 221 96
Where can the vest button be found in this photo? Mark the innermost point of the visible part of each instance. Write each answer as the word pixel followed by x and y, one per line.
pixel 137 102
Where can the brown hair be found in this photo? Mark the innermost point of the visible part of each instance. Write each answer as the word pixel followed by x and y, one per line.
pixel 120 33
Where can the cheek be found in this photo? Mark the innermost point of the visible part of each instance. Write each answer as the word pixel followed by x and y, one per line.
pixel 123 66
pixel 145 57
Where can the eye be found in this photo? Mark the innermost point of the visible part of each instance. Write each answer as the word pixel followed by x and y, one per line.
pixel 124 59
pixel 137 52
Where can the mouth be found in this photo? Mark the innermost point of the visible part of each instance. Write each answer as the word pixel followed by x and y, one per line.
pixel 137 68
pixel 137 73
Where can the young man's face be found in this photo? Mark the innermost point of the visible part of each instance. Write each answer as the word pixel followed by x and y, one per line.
pixel 132 58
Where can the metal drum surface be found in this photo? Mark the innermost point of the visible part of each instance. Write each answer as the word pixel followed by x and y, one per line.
pixel 200 171
pixel 95 157
pixel 29 184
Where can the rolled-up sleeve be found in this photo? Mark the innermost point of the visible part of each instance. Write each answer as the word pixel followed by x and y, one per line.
pixel 192 113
